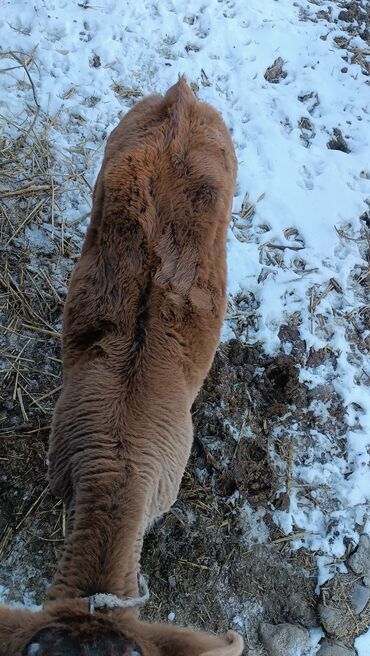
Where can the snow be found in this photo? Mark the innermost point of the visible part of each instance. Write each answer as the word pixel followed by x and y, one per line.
pixel 254 528
pixel 27 603
pixel 362 644
pixel 315 636
pixel 306 196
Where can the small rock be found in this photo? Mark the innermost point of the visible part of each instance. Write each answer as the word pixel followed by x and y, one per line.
pixel 286 639
pixel 275 72
pixel 360 560
pixel 301 611
pixel 359 597
pixel 172 581
pixel 330 648
pixel 332 621
pixel 366 581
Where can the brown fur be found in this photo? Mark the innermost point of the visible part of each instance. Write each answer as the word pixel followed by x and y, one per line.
pixel 141 325
pixel 69 630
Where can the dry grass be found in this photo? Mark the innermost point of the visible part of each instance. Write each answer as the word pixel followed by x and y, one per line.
pixel 336 594
pixel 38 250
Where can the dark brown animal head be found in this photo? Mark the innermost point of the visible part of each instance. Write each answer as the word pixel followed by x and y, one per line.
pixel 60 642
pixel 69 630
pixel 81 636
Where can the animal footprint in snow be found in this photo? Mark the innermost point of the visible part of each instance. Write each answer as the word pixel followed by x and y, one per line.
pixel 307 131
pixel 306 182
pixel 311 100
pixel 85 34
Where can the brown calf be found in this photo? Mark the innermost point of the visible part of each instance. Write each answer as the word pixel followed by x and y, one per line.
pixel 141 325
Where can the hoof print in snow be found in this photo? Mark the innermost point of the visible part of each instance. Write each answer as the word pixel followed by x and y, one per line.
pixel 330 648
pixel 192 47
pixel 258 480
pixel 275 72
pixel 307 131
pixel 311 101
pixel 338 142
pixel 281 384
pixel 286 639
pixel 95 61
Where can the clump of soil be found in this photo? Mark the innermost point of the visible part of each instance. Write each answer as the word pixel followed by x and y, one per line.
pixel 338 142
pixel 275 72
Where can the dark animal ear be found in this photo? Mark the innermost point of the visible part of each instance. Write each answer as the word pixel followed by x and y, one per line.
pixel 174 641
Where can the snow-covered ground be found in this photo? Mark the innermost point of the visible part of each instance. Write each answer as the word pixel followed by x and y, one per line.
pixel 296 250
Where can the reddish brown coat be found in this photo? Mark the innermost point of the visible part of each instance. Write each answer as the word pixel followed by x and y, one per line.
pixel 141 325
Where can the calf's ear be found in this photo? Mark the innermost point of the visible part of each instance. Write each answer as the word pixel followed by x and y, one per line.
pixel 174 641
